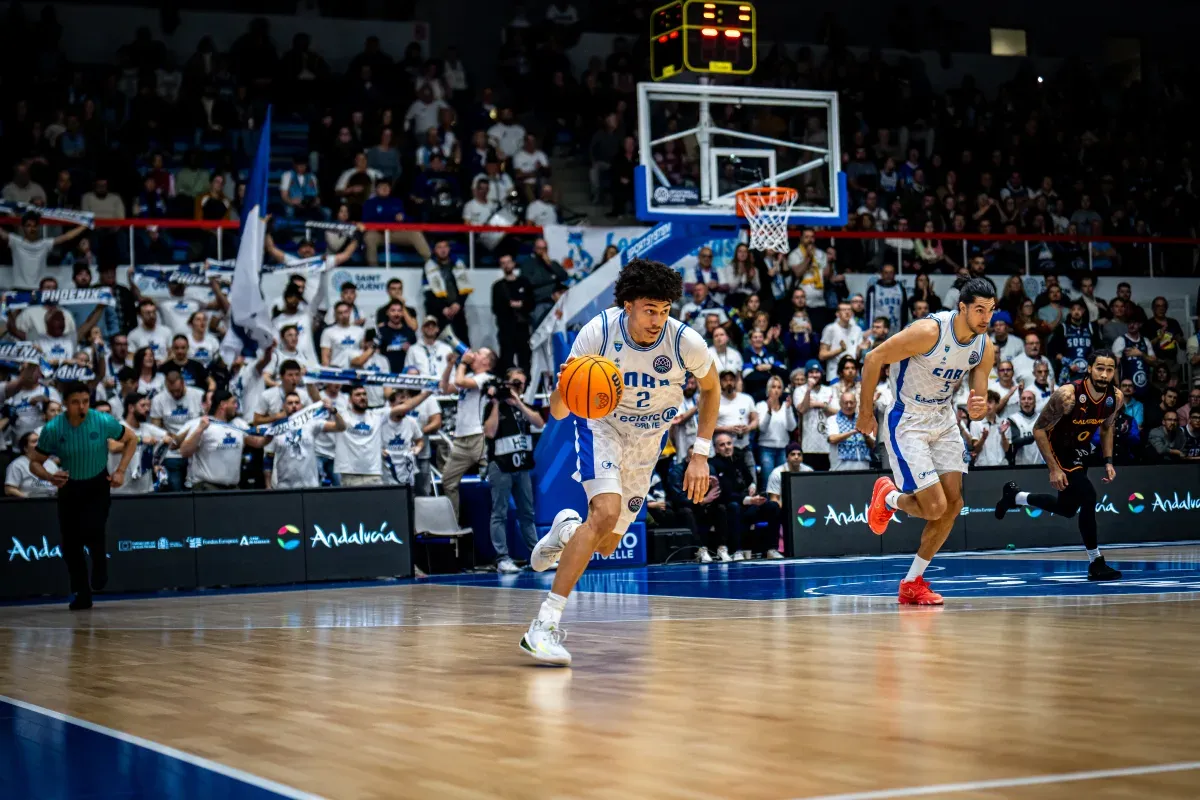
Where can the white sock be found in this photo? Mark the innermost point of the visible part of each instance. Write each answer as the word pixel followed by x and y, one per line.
pixel 1022 498
pixel 916 570
pixel 893 497
pixel 1093 554
pixel 552 608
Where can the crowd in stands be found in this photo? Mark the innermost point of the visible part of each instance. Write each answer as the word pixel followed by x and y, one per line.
pixel 412 139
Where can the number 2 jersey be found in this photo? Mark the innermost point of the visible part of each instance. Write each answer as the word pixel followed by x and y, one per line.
pixel 653 376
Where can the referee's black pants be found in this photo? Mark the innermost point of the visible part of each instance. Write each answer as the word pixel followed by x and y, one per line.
pixel 1078 498
pixel 82 521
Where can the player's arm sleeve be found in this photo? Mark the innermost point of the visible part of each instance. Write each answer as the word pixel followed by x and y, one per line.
pixel 693 352
pixel 591 339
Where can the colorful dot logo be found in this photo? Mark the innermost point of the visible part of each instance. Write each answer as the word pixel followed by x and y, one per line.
pixel 806 521
pixel 1033 513
pixel 1135 503
pixel 288 530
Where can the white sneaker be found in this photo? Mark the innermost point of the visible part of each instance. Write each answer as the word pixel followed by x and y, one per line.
pixel 543 642
pixel 740 555
pixel 703 556
pixel 723 554
pixel 549 548
pixel 774 555
pixel 505 566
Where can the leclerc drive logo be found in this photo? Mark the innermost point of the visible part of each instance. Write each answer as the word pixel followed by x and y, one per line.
pixel 288 530
pixel 1135 503
pixel 804 521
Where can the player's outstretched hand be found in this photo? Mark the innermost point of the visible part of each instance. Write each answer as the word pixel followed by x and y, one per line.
pixel 695 479
pixel 1110 473
pixel 976 406
pixel 865 424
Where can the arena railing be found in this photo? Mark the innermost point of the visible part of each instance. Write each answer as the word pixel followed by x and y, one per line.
pixel 1153 256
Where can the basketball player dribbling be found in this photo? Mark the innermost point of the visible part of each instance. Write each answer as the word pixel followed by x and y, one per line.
pixel 930 359
pixel 617 453
pixel 1063 433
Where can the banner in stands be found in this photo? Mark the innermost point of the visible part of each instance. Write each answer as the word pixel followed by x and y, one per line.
pixel 248 538
pixel 357 533
pixel 180 541
pixel 1143 504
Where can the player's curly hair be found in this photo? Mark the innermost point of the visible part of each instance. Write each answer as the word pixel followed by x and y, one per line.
pixel 648 280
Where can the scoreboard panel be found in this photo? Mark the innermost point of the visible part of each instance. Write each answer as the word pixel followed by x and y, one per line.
pixel 719 36
pixel 666 41
pixel 705 36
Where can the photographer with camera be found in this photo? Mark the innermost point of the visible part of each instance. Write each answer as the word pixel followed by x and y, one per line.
pixel 509 431
pixel 470 378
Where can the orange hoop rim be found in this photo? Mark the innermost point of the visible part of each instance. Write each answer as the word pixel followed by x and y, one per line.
pixel 750 201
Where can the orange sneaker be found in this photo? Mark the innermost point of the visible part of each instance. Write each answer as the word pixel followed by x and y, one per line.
pixel 878 514
pixel 917 593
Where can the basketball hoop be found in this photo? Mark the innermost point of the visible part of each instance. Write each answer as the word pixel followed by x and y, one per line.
pixel 767 209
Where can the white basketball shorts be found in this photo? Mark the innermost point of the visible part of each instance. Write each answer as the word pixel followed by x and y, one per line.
pixel 616 461
pixel 923 446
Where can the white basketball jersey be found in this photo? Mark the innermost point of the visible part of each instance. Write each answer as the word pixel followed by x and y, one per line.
pixel 653 376
pixel 926 383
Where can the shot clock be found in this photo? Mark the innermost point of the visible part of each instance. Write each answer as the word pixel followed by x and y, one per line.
pixel 703 36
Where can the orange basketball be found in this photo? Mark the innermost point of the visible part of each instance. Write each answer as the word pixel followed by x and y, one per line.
pixel 590 386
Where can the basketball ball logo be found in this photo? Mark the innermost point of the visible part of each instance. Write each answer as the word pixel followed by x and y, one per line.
pixel 635 503
pixel 600 401
pixel 662 365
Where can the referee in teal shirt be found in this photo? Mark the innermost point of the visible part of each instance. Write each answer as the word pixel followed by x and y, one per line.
pixel 79 437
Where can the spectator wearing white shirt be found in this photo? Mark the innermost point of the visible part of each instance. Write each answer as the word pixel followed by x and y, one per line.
pixel 340 336
pixel 149 332
pixel 872 208
pixel 793 464
pixel 776 421
pixel 726 357
pixel 171 410
pixel 215 443
pixel 30 250
pixel 479 209
pixel 271 403
pixel 1007 389
pixel 292 318
pixel 290 459
pixel 430 355
pixel 176 310
pixel 149 378
pixel 814 402
pixel 367 359
pixel 543 211
pixel 989 436
pixel 24 323
pixel 737 417
pixel 347 293
pixel 500 184
pixel 402 442
pixel 203 347
pixel 289 348
pixel 470 378
pixel 428 416
pixel 19 481
pixel 423 113
pixel 1024 363
pixel 530 166
pixel 1042 386
pixel 839 338
pixel 358 450
pixel 701 305
pixel 1020 431
pixel 249 378
pixel 139 474
pixel 506 136
pixel 56 345
pixel 1008 346
pixel 22 188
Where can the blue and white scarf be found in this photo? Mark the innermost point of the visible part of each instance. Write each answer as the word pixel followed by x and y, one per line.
pixel 59 297
pixel 18 209
pixel 855 447
pixel 358 376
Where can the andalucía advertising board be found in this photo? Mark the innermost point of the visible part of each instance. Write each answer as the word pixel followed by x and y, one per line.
pixel 357 533
pixel 248 538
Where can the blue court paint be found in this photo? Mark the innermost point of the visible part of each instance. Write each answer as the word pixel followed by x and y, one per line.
pixel 1025 575
pixel 52 755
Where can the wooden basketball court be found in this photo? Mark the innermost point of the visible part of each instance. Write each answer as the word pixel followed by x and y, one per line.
pixel 756 680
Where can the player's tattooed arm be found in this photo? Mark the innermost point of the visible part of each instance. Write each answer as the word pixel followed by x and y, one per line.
pixel 1116 412
pixel 1057 407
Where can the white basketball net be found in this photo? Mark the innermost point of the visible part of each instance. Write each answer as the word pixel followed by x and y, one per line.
pixel 767 210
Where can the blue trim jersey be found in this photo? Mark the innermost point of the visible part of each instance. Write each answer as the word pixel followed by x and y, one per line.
pixel 926 383
pixel 653 376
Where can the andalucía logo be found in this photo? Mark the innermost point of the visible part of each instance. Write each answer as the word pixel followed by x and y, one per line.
pixel 360 537
pixel 33 552
pixel 806 521
pixel 1135 503
pixel 1175 503
pixel 288 530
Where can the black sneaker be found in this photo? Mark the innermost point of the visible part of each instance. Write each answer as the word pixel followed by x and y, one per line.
pixel 1008 500
pixel 80 602
pixel 1098 570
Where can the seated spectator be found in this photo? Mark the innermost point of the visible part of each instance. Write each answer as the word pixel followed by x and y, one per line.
pixel 22 188
pixel 530 167
pixel 543 211
pixel 506 136
pixel 1024 363
pixel 384 158
pixel 300 192
pixel 1168 441
pixel 214 205
pixel 726 356
pixel 435 193
pixel 700 306
pixel 431 145
pixel 759 365
pixel 1154 413
pixel 706 519
pixel 501 188
pixel 478 210
pixel 19 481
pixel 848 449
pixel 214 443
pixel 793 464
pixel 1166 335
pixel 354 184
pixel 151 201
pixel 194 179
pixel 423 113
pixel 751 518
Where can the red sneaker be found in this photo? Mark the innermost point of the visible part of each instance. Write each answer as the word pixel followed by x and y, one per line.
pixel 878 514
pixel 917 593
